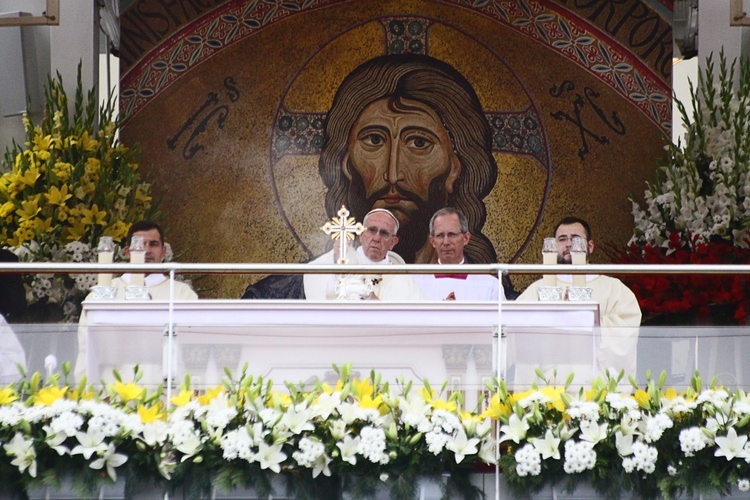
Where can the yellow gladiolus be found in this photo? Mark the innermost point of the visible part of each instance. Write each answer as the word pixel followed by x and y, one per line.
pixel 88 143
pixel 48 395
pixel 42 143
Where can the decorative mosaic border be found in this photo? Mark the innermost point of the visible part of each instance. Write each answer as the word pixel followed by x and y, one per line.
pixel 572 38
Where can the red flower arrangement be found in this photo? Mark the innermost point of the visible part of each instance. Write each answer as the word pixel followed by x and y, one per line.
pixel 661 295
pixel 697 209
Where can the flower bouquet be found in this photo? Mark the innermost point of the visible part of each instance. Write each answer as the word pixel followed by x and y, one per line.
pixel 69 184
pixel 651 442
pixel 697 210
pixel 353 437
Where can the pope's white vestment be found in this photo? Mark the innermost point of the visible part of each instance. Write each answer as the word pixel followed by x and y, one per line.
pixel 390 287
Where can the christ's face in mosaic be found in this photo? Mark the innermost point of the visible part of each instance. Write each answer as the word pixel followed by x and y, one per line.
pixel 403 159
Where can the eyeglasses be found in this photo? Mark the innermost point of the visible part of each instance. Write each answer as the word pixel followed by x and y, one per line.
pixel 450 236
pixel 372 231
pixel 565 239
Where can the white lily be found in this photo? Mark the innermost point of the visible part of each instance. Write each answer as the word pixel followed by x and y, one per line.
pixel 731 446
pixel 515 430
pixel 189 446
pixel 325 404
pixel 92 441
pixel 348 449
pixel 54 440
pixel 549 447
pixel 488 452
pixel 321 465
pixel 297 421
pixel 111 460
pixel 462 446
pixel 25 454
pixel 270 456
pixel 624 443
pixel 593 432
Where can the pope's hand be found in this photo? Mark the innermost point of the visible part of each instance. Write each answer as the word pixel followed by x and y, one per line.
pixel 451 296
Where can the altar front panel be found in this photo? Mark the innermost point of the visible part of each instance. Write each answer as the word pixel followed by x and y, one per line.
pixel 300 341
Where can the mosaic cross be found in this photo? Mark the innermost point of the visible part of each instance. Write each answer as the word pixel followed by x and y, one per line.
pixel 342 228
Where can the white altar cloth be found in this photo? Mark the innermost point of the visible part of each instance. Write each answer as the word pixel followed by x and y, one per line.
pixel 299 340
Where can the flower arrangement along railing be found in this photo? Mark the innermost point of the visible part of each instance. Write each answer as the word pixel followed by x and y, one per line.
pixel 241 434
pixel 650 441
pixel 697 210
pixel 70 183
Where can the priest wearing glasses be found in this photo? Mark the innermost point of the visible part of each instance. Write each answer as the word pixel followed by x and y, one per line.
pixel 449 234
pixel 376 242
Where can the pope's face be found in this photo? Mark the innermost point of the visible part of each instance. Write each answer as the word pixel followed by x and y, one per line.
pixel 378 237
pixel 155 249
pixel 448 240
pixel 398 154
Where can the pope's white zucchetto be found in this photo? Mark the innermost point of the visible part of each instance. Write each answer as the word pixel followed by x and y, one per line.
pixel 383 210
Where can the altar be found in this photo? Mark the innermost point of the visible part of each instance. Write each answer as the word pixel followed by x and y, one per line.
pixel 300 341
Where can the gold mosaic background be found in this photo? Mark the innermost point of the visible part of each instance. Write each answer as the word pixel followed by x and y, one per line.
pixel 221 203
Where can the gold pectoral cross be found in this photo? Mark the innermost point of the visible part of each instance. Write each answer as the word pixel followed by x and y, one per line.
pixel 342 228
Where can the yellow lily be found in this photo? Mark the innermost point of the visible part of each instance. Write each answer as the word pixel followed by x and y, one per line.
pixel 129 391
pixel 57 196
pixel 117 231
pixel 78 394
pixel 43 226
pixel 94 216
pixel 441 404
pixel 7 396
pixel 496 410
pixel 210 394
pixel 7 208
pixel 642 398
pixel 555 394
pixel 28 178
pixel 152 414
pixel 75 231
pixel 29 208
pixel 368 402
pixel 362 388
pixel 48 395
pixel 182 398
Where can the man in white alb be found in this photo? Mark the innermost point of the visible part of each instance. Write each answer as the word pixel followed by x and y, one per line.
pixel 619 313
pixel 156 250
pixel 157 284
pixel 376 242
pixel 449 233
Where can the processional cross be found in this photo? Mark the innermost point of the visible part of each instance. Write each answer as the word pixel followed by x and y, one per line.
pixel 342 228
